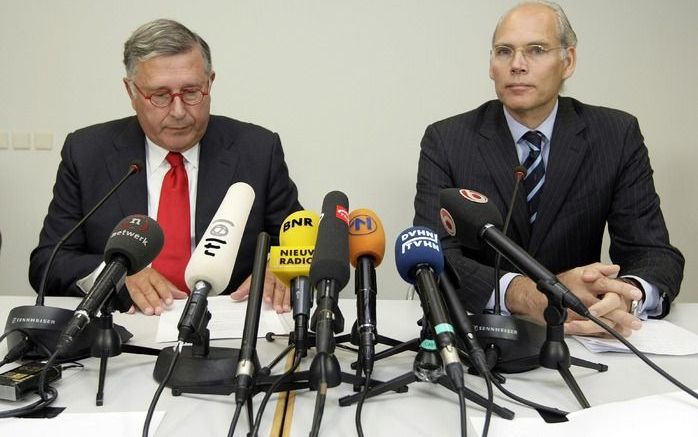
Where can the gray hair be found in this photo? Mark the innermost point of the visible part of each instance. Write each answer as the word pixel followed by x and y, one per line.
pixel 564 29
pixel 160 38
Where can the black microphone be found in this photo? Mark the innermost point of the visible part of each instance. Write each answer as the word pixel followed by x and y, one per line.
pixel 519 175
pixel 474 221
pixel 134 243
pixel 366 250
pixel 134 167
pixel 463 324
pixel 329 274
pixel 246 364
pixel 44 324
pixel 419 261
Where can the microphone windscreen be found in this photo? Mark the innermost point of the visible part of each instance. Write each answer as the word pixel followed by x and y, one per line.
pixel 214 257
pixel 136 165
pixel 297 238
pixel 366 236
pixel 465 212
pixel 331 257
pixel 418 246
pixel 139 238
pixel 299 229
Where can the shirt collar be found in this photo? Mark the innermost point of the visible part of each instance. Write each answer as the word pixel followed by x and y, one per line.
pixel 155 156
pixel 518 130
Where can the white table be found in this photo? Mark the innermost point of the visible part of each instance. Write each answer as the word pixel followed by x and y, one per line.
pixel 425 410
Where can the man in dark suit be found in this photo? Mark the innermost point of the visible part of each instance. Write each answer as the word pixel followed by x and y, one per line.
pixel 586 167
pixel 168 79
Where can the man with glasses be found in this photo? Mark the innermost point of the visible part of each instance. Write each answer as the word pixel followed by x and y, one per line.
pixel 191 158
pixel 586 167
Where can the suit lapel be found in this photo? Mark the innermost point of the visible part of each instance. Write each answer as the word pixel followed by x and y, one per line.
pixel 216 173
pixel 129 145
pixel 499 154
pixel 567 150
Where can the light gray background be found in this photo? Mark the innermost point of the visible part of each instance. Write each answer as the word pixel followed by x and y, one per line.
pixel 349 85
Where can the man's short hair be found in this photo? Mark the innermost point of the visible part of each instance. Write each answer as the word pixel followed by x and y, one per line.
pixel 162 37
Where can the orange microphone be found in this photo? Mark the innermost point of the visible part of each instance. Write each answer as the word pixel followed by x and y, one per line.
pixel 366 250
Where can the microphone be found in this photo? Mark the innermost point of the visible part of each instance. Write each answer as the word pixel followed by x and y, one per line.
pixel 366 250
pixel 134 243
pixel 329 274
pixel 463 324
pixel 246 365
pixel 211 264
pixel 419 260
pixel 473 223
pixel 44 324
pixel 290 263
pixel 519 175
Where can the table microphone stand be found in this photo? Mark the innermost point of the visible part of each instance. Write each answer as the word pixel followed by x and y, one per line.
pixel 554 353
pixel 427 367
pixel 108 342
pixel 300 380
pixel 201 368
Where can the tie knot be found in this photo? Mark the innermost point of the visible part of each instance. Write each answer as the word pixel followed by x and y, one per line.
pixel 534 138
pixel 175 159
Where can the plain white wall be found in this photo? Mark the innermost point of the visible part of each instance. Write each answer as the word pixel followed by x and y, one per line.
pixel 349 85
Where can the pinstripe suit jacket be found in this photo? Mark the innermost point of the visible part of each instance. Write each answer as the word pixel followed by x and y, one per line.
pixel 93 159
pixel 598 173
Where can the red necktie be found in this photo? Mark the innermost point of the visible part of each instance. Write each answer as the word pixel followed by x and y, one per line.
pixel 174 219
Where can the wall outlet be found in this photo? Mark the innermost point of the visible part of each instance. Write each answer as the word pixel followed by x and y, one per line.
pixel 21 140
pixel 43 140
pixel 4 139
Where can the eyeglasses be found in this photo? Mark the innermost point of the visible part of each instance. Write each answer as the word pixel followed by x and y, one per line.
pixel 163 99
pixel 531 52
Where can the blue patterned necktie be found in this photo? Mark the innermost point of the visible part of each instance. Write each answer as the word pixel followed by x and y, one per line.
pixel 535 173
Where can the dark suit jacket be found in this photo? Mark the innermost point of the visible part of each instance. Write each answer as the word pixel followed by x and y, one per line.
pixel 96 157
pixel 598 172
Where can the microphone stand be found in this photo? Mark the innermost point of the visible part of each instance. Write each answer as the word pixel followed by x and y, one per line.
pixel 554 353
pixel 427 367
pixel 108 342
pixel 301 380
pixel 201 368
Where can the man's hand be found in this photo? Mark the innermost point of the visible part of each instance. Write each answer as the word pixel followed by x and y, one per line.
pixel 595 285
pixel 606 297
pixel 151 292
pixel 275 292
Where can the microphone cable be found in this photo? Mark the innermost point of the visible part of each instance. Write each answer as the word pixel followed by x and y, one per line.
pixel 360 405
pixel 538 407
pixel 267 395
pixel 490 406
pixel 47 394
pixel 319 401
pixel 21 348
pixel 641 355
pixel 151 408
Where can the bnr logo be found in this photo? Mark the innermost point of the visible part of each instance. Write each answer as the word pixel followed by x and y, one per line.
pixel 473 196
pixel 362 225
pixel 448 222
pixel 302 221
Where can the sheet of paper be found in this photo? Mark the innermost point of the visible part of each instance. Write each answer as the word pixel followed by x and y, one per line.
pixel 96 424
pixel 227 320
pixel 655 337
pixel 671 414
